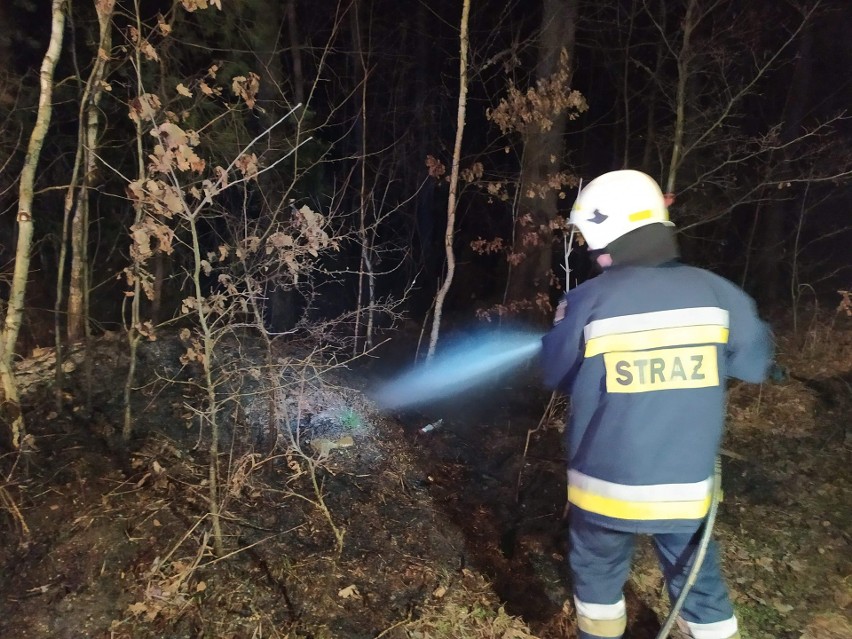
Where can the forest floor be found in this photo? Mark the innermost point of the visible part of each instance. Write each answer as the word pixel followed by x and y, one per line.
pixel 453 533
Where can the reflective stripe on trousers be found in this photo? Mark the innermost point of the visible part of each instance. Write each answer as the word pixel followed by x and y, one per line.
pixel 601 620
pixel 726 629
pixel 600 561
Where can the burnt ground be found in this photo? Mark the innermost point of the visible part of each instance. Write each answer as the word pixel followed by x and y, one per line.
pixel 457 532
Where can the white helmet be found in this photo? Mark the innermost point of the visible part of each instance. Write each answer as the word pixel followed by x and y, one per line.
pixel 616 203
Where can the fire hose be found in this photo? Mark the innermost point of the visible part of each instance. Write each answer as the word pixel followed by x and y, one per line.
pixel 700 552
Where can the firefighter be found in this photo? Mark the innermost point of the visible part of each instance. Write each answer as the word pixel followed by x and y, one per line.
pixel 644 350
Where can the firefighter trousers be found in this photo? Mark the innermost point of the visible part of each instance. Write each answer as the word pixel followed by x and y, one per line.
pixel 600 561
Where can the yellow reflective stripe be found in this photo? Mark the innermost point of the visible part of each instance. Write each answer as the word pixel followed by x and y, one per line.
pixel 658 338
pixel 675 318
pixel 638 510
pixel 689 491
pixel 603 627
pixel 638 216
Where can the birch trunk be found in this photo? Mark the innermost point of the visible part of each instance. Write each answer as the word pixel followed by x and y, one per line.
pixel 464 46
pixel 133 336
pixel 364 272
pixel 77 201
pixel 77 289
pixel 15 309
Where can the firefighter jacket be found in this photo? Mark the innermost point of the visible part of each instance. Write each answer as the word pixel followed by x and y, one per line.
pixel 644 352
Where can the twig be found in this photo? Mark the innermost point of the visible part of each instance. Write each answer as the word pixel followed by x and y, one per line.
pixel 530 432
pixel 12 507
pixel 396 625
pixel 249 547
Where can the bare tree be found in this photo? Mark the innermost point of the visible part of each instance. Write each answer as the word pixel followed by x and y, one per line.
pixel 449 234
pixel 709 92
pixel 89 132
pixel 77 200
pixel 724 132
pixel 15 309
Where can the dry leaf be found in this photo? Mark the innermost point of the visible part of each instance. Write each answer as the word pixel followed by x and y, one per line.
pixel 350 592
pixel 246 88
pixel 163 26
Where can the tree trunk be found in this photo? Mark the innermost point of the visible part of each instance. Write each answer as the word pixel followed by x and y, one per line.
pixel 365 275
pixel 464 46
pixel 295 53
pixel 133 335
pixel 778 216
pixel 77 288
pixel 529 279
pixel 689 23
pixel 424 254
pixel 15 309
pixel 649 163
pixel 8 83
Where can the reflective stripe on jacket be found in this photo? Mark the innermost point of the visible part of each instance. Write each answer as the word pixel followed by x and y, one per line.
pixel 641 503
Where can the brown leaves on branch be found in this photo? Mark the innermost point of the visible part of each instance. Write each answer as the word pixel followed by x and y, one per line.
pixel 540 303
pixel 539 106
pixel 158 197
pixel 159 200
pixel 247 165
pixel 145 108
pixel 246 88
pixel 307 237
pixel 472 173
pixel 195 5
pixel 435 167
pixel 145 48
pixel 556 181
pixel 497 189
pixel 168 205
pixel 164 27
pixel 530 235
pixel 487 247
pixel 146 330
pixel 175 150
pixel 149 236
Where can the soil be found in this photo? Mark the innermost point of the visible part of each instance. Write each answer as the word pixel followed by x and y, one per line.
pixel 454 532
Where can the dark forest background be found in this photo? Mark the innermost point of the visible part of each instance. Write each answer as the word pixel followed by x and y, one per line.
pixel 740 110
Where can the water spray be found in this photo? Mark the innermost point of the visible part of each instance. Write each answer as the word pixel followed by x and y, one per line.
pixel 467 363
